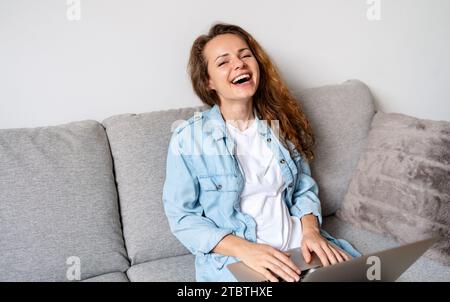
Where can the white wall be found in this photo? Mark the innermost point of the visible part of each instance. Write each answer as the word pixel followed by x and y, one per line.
pixel 130 56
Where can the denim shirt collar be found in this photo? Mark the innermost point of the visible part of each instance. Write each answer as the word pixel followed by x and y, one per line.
pixel 219 129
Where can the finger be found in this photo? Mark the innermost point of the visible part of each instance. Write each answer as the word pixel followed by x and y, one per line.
pixel 344 254
pixel 306 253
pixel 287 261
pixel 321 254
pixel 337 254
pixel 267 274
pixel 286 269
pixel 275 268
pixel 329 252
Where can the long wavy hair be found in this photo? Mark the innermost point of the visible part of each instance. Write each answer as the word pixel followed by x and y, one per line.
pixel 272 100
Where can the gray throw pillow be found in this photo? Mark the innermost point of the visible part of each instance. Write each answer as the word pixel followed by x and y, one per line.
pixel 401 186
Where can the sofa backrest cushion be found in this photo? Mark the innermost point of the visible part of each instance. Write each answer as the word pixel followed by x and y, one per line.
pixel 58 204
pixel 139 144
pixel 340 117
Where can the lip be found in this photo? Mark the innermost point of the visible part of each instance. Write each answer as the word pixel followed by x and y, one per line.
pixel 241 73
pixel 247 84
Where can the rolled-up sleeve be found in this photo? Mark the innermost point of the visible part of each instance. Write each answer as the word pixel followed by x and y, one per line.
pixel 187 222
pixel 305 198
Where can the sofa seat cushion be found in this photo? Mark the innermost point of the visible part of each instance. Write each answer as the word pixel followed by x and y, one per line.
pixel 181 268
pixel 366 242
pixel 58 204
pixel 111 277
pixel 172 269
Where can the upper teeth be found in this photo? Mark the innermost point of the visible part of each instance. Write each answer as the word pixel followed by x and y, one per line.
pixel 242 76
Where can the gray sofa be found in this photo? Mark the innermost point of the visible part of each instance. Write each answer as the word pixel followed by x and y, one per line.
pixel 92 191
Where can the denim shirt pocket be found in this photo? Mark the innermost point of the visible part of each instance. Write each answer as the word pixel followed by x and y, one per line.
pixel 219 183
pixel 220 193
pixel 206 183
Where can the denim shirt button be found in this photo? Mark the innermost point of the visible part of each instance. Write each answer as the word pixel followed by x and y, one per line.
pixel 219 186
pixel 269 140
pixel 282 161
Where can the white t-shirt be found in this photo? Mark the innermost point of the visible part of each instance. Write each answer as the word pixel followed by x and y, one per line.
pixel 261 197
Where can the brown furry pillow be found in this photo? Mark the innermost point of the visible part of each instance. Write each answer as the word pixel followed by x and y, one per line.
pixel 401 186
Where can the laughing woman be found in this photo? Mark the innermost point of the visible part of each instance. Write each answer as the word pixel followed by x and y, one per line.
pixel 238 184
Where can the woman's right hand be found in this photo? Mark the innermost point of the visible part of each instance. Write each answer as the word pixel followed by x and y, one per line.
pixel 267 260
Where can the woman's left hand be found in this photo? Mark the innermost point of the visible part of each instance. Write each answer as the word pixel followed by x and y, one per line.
pixel 328 253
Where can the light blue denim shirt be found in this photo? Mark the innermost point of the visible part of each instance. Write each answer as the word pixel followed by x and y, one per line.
pixel 203 184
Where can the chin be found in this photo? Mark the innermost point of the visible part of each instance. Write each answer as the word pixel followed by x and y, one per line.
pixel 244 96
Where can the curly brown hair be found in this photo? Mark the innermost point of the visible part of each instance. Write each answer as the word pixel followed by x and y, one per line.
pixel 272 100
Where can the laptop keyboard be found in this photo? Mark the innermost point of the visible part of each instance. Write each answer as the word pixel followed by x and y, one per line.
pixel 302 275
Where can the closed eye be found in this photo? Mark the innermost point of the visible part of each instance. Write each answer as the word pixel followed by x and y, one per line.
pixel 246 56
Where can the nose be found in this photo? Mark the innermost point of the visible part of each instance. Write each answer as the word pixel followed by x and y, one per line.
pixel 238 63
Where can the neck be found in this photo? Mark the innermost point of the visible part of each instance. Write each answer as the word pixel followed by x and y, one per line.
pixel 237 111
pixel 238 114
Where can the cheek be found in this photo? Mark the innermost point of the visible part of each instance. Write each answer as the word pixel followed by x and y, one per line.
pixel 216 79
pixel 220 83
pixel 255 68
pixel 221 78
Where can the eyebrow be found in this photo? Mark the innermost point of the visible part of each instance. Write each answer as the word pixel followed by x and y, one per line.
pixel 226 54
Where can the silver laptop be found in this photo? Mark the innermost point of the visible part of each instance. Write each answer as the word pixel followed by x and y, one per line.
pixel 384 266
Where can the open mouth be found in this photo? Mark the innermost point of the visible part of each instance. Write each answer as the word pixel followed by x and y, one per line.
pixel 242 79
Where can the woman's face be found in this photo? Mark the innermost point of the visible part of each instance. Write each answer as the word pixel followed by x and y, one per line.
pixel 233 70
